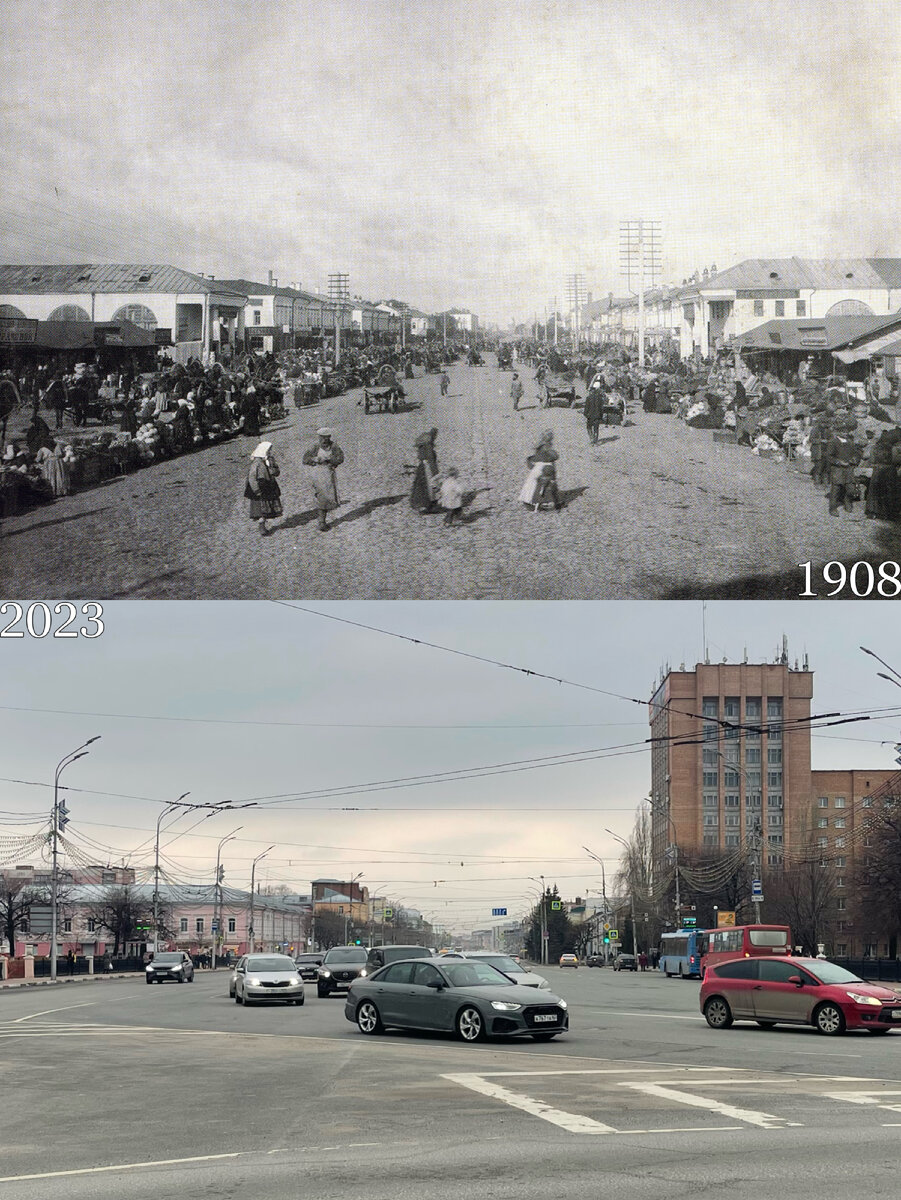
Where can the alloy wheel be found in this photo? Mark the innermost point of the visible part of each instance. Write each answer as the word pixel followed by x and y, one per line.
pixel 368 1018
pixel 470 1025
pixel 718 1013
pixel 829 1019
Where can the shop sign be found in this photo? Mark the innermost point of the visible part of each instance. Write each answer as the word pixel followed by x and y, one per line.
pixel 163 337
pixel 724 918
pixel 17 331
pixel 260 330
pixel 812 337
pixel 108 337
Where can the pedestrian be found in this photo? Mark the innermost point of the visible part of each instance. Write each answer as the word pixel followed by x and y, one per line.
pixel 78 398
pixel 842 456
pixel 451 498
pixel 70 959
pixel 56 398
pixel 594 409
pixel 541 482
pixel 445 382
pixel 251 412
pixel 37 435
pixel 262 489
pixel 516 391
pixel 129 422
pixel 643 961
pixel 182 429
pixel 55 469
pixel 424 493
pixel 325 458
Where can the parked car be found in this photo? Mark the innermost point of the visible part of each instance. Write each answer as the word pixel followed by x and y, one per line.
pixel 267 979
pixel 625 962
pixel 381 956
pixel 594 960
pixel 569 960
pixel 340 967
pixel 308 965
pixel 467 997
pixel 173 965
pixel 507 963
pixel 796 991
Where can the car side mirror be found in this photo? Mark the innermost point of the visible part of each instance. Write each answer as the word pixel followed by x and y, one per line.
pixel 796 980
pixel 239 970
pixel 436 984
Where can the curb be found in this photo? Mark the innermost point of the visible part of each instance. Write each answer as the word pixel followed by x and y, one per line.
pixel 17 984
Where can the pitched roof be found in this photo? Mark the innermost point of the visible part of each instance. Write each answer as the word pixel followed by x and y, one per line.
pixel 248 287
pixel 834 274
pixel 79 279
pixel 823 333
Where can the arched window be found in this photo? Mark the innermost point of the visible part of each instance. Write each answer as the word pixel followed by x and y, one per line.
pixel 138 314
pixel 10 310
pixel 69 312
pixel 850 308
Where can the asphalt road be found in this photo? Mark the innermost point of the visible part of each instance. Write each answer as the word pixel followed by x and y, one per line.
pixel 655 511
pixel 127 1092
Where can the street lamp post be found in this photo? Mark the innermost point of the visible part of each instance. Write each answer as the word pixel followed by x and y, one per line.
pixel 253 872
pixel 660 806
pixel 171 807
pixel 600 863
pixel 217 932
pixel 623 842
pixel 65 761
pixel 350 915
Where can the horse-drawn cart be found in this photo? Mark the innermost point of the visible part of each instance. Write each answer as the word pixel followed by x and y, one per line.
pixel 382 399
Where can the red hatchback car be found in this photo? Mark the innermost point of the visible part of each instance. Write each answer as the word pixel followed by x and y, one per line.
pixel 796 991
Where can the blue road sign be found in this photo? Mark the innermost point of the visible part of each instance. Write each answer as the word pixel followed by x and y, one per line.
pixel 498 912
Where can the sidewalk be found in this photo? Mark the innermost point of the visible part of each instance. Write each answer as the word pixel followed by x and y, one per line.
pixel 48 982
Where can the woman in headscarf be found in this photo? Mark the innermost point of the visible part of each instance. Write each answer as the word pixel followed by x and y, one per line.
pixel 55 469
pixel 38 433
pixel 325 458
pixel 262 488
pixel 182 430
pixel 424 493
pixel 250 410
pixel 129 422
pixel 541 482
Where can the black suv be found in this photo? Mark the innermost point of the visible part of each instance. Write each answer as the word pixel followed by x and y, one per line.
pixel 381 956
pixel 340 967
pixel 308 965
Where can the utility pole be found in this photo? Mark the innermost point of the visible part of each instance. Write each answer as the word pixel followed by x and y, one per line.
pixel 555 320
pixel 628 848
pixel 217 932
pixel 639 254
pixel 575 291
pixel 543 922
pixel 338 291
pixel 59 819
pixel 253 871
pixel 156 867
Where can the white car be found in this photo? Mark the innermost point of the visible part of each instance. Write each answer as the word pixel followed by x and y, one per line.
pixel 267 979
pixel 508 964
pixel 569 960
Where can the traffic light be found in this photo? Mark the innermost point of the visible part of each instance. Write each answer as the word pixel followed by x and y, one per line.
pixel 62 816
pixel 221 874
pixel 606 939
pixel 358 941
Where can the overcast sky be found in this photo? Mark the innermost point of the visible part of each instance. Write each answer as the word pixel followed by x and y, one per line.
pixel 453 153
pixel 264 701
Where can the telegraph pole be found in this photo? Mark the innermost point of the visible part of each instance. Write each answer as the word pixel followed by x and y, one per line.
pixel 338 291
pixel 217 933
pixel 59 819
pixel 639 254
pixel 253 871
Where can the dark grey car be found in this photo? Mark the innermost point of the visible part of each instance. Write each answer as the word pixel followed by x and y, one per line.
pixel 173 965
pixel 469 998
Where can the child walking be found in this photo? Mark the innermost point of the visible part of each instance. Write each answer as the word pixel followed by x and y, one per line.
pixel 445 382
pixel 451 498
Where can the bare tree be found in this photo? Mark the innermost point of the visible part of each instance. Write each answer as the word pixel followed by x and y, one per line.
pixel 16 898
pixel 877 876
pixel 329 927
pixel 123 912
pixel 802 896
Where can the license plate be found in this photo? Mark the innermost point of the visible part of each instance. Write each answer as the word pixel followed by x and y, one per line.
pixel 896 1014
pixel 544 1017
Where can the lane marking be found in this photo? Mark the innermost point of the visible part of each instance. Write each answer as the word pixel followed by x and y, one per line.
pixel 685 1129
pixel 65 1008
pixel 571 1122
pixel 138 1166
pixel 761 1119
pixel 610 1071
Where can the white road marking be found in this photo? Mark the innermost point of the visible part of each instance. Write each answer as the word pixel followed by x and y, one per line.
pixel 685 1129
pixel 160 1162
pixel 65 1008
pixel 762 1119
pixel 571 1122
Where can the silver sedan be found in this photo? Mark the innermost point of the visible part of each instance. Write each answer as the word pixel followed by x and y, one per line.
pixel 267 979
pixel 466 997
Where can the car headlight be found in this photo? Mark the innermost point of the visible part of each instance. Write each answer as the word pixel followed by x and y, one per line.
pixel 544 984
pixel 363 972
pixel 148 967
pixel 180 967
pixel 859 998
pixel 253 983
pixel 506 1005
pixel 562 1003
pixel 324 973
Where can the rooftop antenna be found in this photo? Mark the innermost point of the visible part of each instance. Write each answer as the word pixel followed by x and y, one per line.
pixel 745 659
pixel 806 662
pixel 704 629
pixel 785 649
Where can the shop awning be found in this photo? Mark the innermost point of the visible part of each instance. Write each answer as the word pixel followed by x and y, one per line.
pixel 92 335
pixel 876 346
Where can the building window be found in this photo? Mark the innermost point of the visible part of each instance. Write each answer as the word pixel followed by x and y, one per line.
pixel 774 706
pixel 67 925
pixel 730 800
pixel 780 308
pixel 774 820
pixel 731 753
pixel 775 839
pixel 710 801
pixel 839 881
pixel 841 904
pixel 823 823
pixel 752 755
pixel 868 841
pixel 839 843
pixel 183 925
pixel 841 949
pixel 752 706
pixel 257 317
pixel 711 733
pixel 138 314
pixel 774 860
pixel 867 802
pixel 774 779
pixel 731 708
pixel 774 756
pixel 69 312
pixel 800 308
pixel 711 779
pixel 711 839
pixel 710 706
pixel 231 924
pixel 711 818
pixel 823 802
pixel 732 820
pixel 774 799
pixel 840 861
pixel 774 733
pixel 870 951
pixel 839 822
pixel 752 735
pixel 839 801
pixel 92 925
pixel 730 779
pixel 753 801
pixel 198 924
pixel 710 758
pixel 822 843
pixel 752 780
pixel 758 308
pixel 733 839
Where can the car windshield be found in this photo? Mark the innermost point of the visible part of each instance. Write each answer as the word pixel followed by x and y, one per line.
pixel 304 958
pixel 165 959
pixel 503 963
pixel 389 954
pixel 828 972
pixel 350 954
pixel 273 962
pixel 475 974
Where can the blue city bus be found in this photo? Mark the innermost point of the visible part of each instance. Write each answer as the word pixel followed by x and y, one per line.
pixel 681 952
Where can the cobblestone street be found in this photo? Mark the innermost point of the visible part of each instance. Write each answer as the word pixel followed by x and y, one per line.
pixel 655 510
